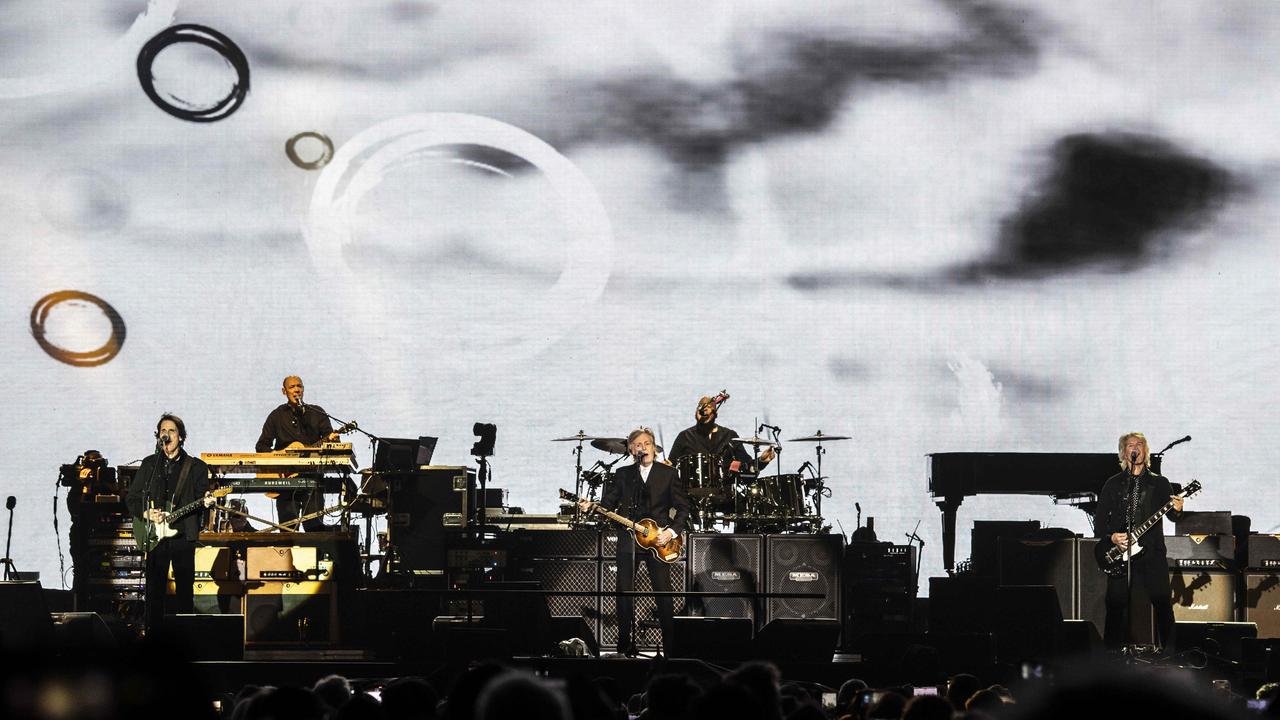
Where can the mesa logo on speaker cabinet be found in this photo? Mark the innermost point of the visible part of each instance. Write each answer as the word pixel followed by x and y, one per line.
pixel 725 563
pixel 1204 596
pixel 804 564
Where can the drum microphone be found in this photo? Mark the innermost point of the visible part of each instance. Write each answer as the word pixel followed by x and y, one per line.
pixel 806 464
pixel 774 428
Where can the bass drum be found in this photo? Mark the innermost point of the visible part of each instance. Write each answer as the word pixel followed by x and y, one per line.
pixel 702 477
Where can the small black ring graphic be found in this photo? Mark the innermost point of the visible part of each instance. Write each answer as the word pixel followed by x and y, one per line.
pixel 200 35
pixel 290 149
pixel 97 356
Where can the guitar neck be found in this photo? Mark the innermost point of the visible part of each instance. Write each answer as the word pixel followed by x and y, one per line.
pixel 184 510
pixel 629 524
pixel 1151 521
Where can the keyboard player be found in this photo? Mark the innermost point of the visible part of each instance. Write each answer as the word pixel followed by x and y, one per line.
pixel 295 423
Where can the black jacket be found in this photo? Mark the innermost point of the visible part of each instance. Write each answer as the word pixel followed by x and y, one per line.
pixel 1110 516
pixel 624 495
pixel 289 424
pixel 196 485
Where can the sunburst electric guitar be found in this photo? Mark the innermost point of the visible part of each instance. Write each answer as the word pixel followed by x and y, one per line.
pixel 645 531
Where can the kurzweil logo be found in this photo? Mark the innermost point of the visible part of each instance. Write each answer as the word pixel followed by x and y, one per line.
pixel 802 576
pixel 725 575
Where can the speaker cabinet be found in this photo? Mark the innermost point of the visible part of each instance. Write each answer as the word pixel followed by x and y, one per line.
pixel 879 588
pixel 25 622
pixel 725 563
pixel 804 564
pixel 572 576
pixel 645 630
pixel 291 613
pixel 1262 602
pixel 419 502
pixel 1203 595
pixel 1032 561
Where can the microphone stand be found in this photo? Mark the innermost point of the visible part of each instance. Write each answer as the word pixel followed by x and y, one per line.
pixel 9 569
pixel 373 442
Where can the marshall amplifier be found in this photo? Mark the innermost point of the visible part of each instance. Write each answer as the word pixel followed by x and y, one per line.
pixel 1264 552
pixel 1203 595
pixel 1262 602
pixel 1201 552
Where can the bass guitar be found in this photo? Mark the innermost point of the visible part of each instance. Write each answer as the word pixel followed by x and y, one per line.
pixel 148 534
pixel 1112 558
pixel 645 531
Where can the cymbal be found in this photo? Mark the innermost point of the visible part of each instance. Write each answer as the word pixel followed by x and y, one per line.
pixel 616 446
pixel 756 441
pixel 575 438
pixel 819 437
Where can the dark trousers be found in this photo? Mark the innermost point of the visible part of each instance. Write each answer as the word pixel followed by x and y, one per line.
pixel 309 501
pixel 659 578
pixel 1150 573
pixel 182 554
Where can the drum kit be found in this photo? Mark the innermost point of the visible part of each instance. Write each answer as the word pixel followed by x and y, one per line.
pixel 722 495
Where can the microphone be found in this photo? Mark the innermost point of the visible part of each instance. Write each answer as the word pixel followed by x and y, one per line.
pixel 10 502
pixel 302 407
pixel 1133 456
pixel 774 428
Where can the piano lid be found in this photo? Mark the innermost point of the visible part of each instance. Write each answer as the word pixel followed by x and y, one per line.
pixel 960 474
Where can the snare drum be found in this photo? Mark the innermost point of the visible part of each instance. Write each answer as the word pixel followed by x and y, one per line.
pixel 701 475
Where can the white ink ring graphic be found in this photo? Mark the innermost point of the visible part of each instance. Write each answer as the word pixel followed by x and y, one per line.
pixel 588 255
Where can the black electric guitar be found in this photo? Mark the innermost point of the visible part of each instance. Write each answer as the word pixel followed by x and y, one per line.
pixel 1112 558
pixel 645 531
pixel 148 534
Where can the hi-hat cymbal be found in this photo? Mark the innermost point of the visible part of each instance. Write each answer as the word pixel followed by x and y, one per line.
pixel 819 437
pixel 756 441
pixel 575 438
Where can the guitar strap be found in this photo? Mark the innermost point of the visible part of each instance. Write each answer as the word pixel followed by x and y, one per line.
pixel 183 476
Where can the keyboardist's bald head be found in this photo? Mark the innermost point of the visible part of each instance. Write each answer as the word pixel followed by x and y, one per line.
pixel 292 389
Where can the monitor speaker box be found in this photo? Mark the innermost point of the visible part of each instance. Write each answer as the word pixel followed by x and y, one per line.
pixel 303 614
pixel 1203 595
pixel 712 638
pixel 1262 602
pixel 25 623
pixel 804 564
pixel 725 563
pixel 208 637
pixel 798 640
pixel 645 630
pixel 1223 640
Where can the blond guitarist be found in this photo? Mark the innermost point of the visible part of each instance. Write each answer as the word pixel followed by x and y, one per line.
pixel 645 489
pixel 296 422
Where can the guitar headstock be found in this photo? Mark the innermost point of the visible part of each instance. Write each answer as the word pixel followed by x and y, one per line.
pixel 347 427
pixel 1192 488
pixel 566 495
pixel 222 491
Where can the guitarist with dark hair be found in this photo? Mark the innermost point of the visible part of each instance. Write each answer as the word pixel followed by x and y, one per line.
pixel 165 497
pixel 1128 499
pixel 652 490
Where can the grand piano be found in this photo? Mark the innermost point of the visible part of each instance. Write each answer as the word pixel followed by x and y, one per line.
pixel 1071 478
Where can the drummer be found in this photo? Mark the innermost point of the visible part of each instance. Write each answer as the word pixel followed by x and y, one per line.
pixel 708 438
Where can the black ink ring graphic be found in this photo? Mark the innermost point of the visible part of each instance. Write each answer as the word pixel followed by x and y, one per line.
pixel 326 154
pixel 97 356
pixel 200 35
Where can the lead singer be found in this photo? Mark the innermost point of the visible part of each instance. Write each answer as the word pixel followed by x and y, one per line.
pixel 652 490
pixel 1128 498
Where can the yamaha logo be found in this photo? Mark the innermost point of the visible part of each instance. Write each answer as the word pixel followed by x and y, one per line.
pixel 802 576
pixel 725 575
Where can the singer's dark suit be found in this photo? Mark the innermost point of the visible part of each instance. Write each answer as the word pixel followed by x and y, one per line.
pixel 663 500
pixel 1150 569
pixel 161 483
